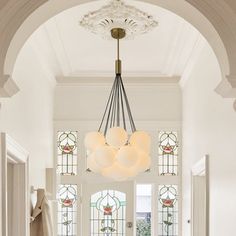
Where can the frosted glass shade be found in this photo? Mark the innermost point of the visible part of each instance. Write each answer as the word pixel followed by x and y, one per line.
pixel 116 137
pixel 118 172
pixel 93 140
pixel 127 156
pixel 104 156
pixel 141 140
pixel 92 165
pixel 143 163
pixel 114 157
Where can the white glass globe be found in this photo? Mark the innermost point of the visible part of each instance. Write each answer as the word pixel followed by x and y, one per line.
pixel 104 156
pixel 141 140
pixel 116 172
pixel 92 165
pixel 127 156
pixel 106 172
pixel 133 171
pixel 143 163
pixel 116 137
pixel 93 140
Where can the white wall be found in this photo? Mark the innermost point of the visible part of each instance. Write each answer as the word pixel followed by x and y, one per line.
pixel 28 116
pixel 209 127
pixel 154 107
pixel 156 102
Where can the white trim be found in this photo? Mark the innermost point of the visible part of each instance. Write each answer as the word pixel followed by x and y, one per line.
pixel 15 151
pixel 58 46
pixel 196 53
pixel 45 67
pixel 12 152
pixel 105 79
pixel 9 87
pixel 225 89
pixel 201 169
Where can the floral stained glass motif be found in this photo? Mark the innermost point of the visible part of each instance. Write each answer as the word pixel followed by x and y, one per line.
pixel 108 213
pixel 67 210
pixel 168 153
pixel 168 210
pixel 67 152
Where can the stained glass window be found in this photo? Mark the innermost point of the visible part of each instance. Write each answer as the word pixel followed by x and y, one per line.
pixel 67 153
pixel 143 209
pixel 67 210
pixel 168 210
pixel 168 153
pixel 108 213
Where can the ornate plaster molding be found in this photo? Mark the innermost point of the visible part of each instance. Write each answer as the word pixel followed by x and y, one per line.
pixel 118 15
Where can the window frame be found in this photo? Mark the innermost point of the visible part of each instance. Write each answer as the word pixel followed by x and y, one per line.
pixel 150 177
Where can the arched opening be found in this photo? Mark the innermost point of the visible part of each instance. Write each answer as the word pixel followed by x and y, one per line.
pixel 207 121
pixel 181 8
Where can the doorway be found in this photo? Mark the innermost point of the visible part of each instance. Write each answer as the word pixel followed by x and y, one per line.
pixel 14 188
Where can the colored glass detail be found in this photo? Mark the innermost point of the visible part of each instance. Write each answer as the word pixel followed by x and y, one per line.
pixel 67 210
pixel 168 153
pixel 108 209
pixel 67 152
pixel 168 210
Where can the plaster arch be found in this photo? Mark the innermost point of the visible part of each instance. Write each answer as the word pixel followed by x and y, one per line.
pixel 19 19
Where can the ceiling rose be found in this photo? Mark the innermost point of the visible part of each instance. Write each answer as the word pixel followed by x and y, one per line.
pixel 118 15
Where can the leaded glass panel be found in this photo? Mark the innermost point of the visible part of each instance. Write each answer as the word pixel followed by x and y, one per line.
pixel 168 211
pixel 67 210
pixel 168 153
pixel 67 152
pixel 108 210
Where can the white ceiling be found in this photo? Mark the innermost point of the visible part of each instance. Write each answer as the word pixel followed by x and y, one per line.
pixel 66 49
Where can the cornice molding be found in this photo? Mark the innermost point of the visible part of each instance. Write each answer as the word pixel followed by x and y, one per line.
pixel 196 52
pixel 68 81
pixel 225 89
pixel 223 19
pixel 13 14
pixel 9 87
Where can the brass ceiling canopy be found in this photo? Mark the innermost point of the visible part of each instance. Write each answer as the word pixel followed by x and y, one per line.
pixel 118 33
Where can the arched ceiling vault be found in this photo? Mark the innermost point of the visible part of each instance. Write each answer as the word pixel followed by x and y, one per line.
pixel 215 20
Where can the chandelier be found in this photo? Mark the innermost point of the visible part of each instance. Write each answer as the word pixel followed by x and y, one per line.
pixel 117 150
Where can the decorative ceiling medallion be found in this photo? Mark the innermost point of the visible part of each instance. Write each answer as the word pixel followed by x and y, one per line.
pixel 118 15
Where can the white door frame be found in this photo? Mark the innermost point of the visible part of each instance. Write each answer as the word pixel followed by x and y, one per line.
pixel 11 151
pixel 200 169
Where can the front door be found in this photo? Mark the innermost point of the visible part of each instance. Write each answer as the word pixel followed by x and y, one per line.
pixel 108 209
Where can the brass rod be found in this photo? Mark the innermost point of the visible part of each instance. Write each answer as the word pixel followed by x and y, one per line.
pixel 118 49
